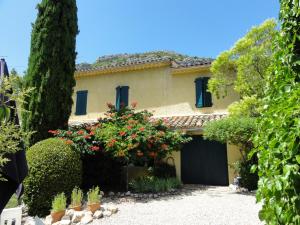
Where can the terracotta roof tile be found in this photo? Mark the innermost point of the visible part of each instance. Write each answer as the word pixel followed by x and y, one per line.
pixel 175 122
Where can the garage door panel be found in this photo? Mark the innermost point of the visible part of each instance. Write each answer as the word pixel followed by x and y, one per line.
pixel 204 162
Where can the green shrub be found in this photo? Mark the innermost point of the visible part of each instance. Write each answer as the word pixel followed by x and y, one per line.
pixel 53 168
pixel 76 197
pixel 93 195
pixel 59 203
pixel 153 184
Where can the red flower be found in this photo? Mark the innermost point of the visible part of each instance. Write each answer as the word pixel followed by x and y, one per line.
pixel 54 132
pixel 87 136
pixel 80 132
pixel 92 133
pixel 95 148
pixel 69 132
pixel 133 136
pixel 139 153
pixel 133 104
pixel 69 142
pixel 122 133
pixel 129 127
pixel 142 129
pixel 111 143
pixel 164 147
pixel 153 154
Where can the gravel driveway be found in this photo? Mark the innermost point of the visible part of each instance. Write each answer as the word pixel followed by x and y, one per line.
pixel 196 205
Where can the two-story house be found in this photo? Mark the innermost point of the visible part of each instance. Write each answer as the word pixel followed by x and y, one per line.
pixel 172 87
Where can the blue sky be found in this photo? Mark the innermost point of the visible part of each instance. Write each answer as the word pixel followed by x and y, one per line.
pixel 194 27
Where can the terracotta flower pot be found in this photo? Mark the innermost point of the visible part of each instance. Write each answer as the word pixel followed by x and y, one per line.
pixel 56 216
pixel 76 208
pixel 93 207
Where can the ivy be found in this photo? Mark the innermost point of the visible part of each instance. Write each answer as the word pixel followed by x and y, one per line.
pixel 278 140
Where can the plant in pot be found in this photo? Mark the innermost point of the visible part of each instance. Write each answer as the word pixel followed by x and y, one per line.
pixel 93 197
pixel 58 207
pixel 76 199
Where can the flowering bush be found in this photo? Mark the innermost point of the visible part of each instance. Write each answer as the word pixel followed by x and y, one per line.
pixel 81 138
pixel 133 137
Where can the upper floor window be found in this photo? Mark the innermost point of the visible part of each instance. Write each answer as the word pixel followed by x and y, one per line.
pixel 121 96
pixel 81 103
pixel 203 97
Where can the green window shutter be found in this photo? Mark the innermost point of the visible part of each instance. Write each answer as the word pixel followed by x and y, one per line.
pixel 207 99
pixel 203 97
pixel 124 95
pixel 81 103
pixel 118 97
pixel 121 96
pixel 199 92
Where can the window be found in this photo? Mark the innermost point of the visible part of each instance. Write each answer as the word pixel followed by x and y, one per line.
pixel 203 97
pixel 81 103
pixel 121 96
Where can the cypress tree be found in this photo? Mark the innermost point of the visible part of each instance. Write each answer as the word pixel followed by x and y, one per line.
pixel 51 68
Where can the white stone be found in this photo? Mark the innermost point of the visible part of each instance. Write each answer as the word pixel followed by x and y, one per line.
pixel 113 209
pixel 57 223
pixel 98 214
pixel 88 213
pixel 65 217
pixel 111 193
pixel 155 196
pixel 70 212
pixel 107 213
pixel 127 193
pixel 29 221
pixel 86 219
pixel 65 222
pixel 77 216
pixel 48 220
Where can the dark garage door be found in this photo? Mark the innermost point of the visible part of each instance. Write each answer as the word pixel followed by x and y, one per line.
pixel 204 162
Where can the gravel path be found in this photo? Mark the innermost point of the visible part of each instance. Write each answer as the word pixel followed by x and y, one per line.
pixel 196 206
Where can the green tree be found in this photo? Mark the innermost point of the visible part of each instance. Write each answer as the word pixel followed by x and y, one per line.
pixel 278 140
pixel 11 135
pixel 51 68
pixel 244 68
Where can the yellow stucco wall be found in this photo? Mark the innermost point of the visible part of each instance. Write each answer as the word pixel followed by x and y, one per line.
pixel 233 154
pixel 157 90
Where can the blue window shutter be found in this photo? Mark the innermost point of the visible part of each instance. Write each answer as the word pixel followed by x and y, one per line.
pixel 124 95
pixel 81 103
pixel 207 99
pixel 118 97
pixel 199 92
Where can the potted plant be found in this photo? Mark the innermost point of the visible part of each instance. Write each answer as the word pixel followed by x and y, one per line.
pixel 58 207
pixel 93 197
pixel 76 199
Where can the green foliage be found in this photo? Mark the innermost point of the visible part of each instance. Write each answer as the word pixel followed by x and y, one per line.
pixel 131 136
pixel 237 131
pixel 93 196
pixel 13 202
pixel 51 68
pixel 244 67
pixel 278 138
pixel 154 184
pixel 76 197
pixel 53 168
pixel 59 203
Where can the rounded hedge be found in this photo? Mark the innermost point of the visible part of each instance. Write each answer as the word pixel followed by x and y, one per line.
pixel 53 168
